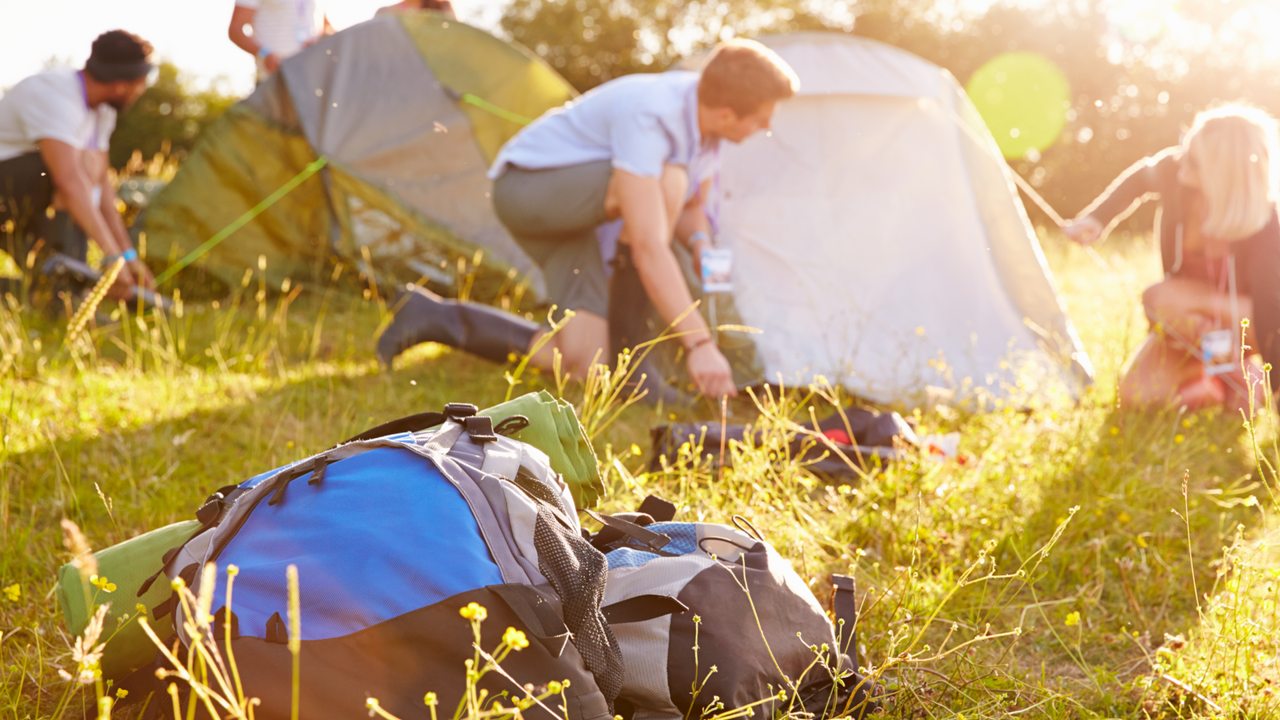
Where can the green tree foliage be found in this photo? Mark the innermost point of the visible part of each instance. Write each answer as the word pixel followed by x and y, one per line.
pixel 171 114
pixel 592 41
pixel 1138 71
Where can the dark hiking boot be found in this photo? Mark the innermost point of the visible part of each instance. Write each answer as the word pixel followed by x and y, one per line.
pixel 480 330
pixel 628 327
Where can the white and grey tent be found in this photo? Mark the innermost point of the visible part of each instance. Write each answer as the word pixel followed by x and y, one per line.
pixel 879 240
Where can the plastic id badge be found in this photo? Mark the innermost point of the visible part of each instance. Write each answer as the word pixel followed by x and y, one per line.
pixel 717 270
pixel 1217 350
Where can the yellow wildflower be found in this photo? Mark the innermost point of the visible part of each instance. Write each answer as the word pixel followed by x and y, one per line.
pixel 13 593
pixel 515 639
pixel 1073 619
pixel 474 612
pixel 102 583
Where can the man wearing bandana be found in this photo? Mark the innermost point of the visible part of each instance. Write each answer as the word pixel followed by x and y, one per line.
pixel 54 133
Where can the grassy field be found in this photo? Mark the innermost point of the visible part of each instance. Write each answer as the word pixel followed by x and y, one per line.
pixel 1083 561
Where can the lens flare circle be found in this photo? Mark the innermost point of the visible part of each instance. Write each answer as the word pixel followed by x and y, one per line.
pixel 1023 97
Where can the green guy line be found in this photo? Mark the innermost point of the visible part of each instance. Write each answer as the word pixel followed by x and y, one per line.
pixel 500 112
pixel 244 219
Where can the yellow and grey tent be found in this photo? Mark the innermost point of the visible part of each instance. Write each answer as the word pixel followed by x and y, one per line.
pixel 404 114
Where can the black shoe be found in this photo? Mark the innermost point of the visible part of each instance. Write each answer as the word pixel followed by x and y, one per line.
pixel 480 330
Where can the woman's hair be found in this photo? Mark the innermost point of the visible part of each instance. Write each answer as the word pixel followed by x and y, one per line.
pixel 1234 151
pixel 743 75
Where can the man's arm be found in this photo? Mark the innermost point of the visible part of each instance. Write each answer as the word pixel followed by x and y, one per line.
pixel 75 188
pixel 242 17
pixel 648 228
pixel 115 223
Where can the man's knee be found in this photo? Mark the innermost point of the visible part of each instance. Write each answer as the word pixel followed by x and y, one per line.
pixel 583 340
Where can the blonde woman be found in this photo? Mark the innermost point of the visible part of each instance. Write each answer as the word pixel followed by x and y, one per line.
pixel 1220 244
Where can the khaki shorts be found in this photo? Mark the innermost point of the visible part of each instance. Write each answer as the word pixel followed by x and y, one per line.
pixel 553 215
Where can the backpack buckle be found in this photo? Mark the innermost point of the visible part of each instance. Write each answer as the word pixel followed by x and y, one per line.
pixel 459 411
pixel 480 428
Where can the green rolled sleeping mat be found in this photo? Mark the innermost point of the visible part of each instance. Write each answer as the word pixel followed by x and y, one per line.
pixel 126 566
pixel 555 430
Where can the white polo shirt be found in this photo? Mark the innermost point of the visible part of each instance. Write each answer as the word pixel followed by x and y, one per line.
pixel 284 26
pixel 638 122
pixel 52 106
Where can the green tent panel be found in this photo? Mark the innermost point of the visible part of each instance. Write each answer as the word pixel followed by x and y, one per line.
pixel 409 112
pixel 510 77
pixel 241 159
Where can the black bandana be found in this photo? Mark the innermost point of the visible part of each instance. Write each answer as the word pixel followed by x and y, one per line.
pixel 113 72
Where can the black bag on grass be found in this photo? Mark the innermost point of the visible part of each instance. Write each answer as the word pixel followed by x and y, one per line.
pixel 864 438
pixel 393 533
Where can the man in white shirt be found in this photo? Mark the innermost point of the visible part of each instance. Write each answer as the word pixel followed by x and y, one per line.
pixel 54 133
pixel 640 148
pixel 272 30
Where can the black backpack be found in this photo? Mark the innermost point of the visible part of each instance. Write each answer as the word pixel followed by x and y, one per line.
pixel 706 596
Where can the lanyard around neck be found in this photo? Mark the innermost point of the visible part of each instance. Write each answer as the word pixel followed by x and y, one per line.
pixel 97 117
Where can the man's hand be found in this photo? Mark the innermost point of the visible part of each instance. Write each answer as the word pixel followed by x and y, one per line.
pixel 1085 230
pixel 142 274
pixel 710 371
pixel 124 286
pixel 271 63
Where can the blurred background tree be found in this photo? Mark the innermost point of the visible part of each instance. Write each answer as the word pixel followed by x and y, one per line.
pixel 592 41
pixel 1139 70
pixel 169 117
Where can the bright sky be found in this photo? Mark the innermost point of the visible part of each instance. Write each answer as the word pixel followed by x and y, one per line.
pixel 190 33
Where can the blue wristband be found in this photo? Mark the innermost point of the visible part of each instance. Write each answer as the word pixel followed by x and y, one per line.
pixel 263 52
pixel 699 235
pixel 128 256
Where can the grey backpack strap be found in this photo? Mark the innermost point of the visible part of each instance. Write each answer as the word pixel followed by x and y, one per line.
pixel 444 438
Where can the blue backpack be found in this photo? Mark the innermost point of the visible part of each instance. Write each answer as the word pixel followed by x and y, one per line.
pixel 393 532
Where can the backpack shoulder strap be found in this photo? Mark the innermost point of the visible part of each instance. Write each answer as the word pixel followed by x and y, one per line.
pixel 412 423
pixel 844 605
pixel 422 421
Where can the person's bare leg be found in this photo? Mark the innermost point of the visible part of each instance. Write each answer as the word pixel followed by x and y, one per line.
pixel 1158 371
pixel 1189 307
pixel 584 338
pixel 581 341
